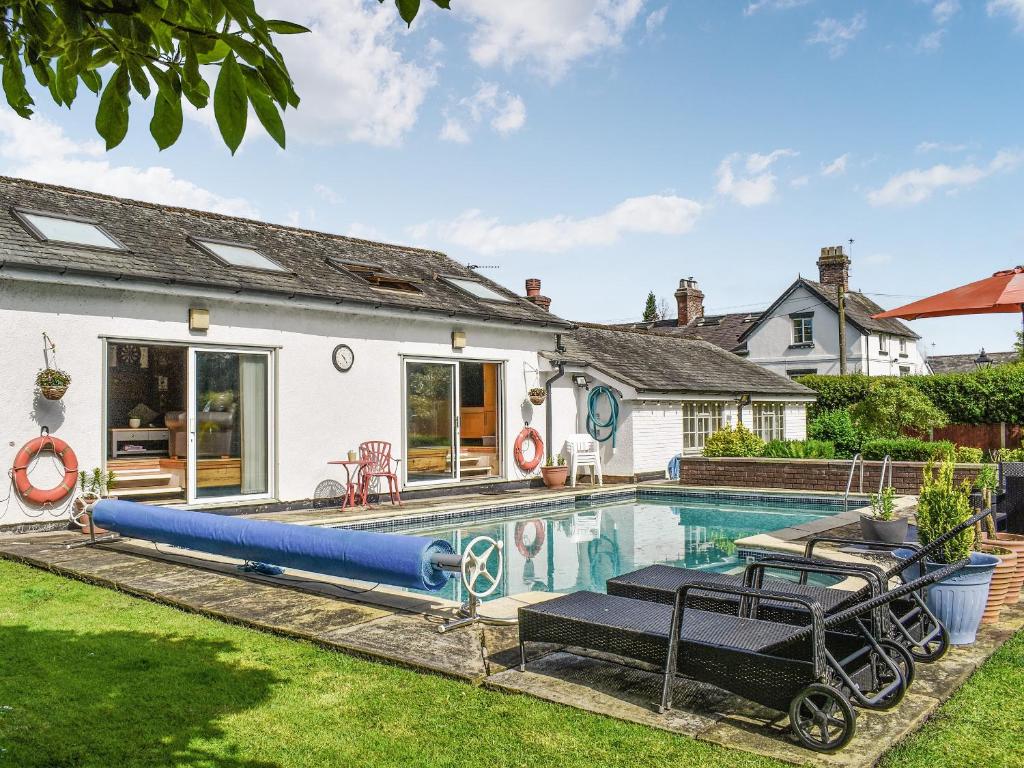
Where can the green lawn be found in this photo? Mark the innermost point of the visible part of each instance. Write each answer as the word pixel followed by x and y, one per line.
pixel 91 677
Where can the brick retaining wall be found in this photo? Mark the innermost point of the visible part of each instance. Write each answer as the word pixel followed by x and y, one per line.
pixel 803 475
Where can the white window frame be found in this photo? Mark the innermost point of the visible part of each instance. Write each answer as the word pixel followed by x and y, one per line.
pixel 903 346
pixel 803 330
pixel 700 419
pixel 770 421
pixel 883 344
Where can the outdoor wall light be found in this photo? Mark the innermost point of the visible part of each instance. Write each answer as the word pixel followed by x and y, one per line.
pixel 198 319
pixel 458 339
pixel 983 360
pixel 581 381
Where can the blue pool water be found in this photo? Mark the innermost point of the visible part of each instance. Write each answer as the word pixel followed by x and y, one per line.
pixel 571 549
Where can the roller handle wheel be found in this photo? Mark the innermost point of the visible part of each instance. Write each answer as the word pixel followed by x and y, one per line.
pixel 477 576
pixel 822 718
pixel 933 649
pixel 892 675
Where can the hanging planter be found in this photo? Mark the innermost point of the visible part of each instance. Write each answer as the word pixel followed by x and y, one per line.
pixel 52 383
pixel 537 395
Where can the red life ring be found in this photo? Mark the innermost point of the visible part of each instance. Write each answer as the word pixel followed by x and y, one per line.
pixel 24 458
pixel 531 434
pixel 530 551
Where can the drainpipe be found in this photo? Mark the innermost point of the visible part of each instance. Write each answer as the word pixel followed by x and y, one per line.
pixel 548 417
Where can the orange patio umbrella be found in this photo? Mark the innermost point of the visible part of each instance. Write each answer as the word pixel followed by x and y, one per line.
pixel 1003 292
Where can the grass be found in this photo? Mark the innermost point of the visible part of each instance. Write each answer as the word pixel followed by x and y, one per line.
pixel 91 677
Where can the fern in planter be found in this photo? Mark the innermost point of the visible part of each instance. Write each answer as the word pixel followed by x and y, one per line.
pixel 942 505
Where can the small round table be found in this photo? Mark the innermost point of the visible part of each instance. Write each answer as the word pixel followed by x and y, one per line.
pixel 353 485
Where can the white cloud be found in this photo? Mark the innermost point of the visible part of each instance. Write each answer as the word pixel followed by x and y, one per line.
pixel 931 41
pixel 944 10
pixel 772 5
pixel 657 214
pixel 39 150
pixel 837 35
pixel 837 167
pixel 758 186
pixel 1012 8
pixel 914 186
pixel 328 194
pixel 503 110
pixel 655 19
pixel 800 181
pixel 547 35
pixel 354 83
pixel 939 146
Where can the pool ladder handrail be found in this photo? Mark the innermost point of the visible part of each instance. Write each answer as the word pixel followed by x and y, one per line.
pixel 886 463
pixel 857 459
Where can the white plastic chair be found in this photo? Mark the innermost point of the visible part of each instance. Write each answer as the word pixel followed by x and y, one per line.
pixel 584 451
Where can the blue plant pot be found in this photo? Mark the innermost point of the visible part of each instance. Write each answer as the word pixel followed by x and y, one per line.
pixel 958 600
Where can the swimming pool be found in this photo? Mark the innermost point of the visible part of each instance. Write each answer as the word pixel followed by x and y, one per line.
pixel 577 547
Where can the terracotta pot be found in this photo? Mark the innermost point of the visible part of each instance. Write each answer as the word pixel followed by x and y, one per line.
pixel 1001 578
pixel 554 477
pixel 1014 542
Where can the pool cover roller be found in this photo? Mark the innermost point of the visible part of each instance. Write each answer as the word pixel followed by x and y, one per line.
pixel 383 558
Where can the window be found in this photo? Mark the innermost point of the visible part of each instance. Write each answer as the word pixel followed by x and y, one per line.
pixel 476 288
pixel 770 421
pixel 904 370
pixel 375 276
pixel 803 330
pixel 883 344
pixel 699 421
pixel 795 372
pixel 903 347
pixel 59 229
pixel 236 255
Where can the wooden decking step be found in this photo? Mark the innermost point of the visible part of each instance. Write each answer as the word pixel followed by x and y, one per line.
pixel 141 479
pixel 159 490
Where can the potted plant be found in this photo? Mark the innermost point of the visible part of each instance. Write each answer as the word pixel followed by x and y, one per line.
pixel 882 524
pixel 537 395
pixel 554 473
pixel 93 486
pixel 958 600
pixel 52 383
pixel 986 482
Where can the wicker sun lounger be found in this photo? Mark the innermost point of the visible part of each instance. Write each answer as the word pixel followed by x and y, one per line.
pixel 909 620
pixel 783 666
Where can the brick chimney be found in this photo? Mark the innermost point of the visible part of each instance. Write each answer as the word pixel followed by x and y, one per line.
pixel 690 301
pixel 533 294
pixel 834 267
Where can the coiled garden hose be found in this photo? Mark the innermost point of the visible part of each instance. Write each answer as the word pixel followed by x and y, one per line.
pixel 594 423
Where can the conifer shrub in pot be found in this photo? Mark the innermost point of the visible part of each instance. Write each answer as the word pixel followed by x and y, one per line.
pixel 958 600
pixel 883 524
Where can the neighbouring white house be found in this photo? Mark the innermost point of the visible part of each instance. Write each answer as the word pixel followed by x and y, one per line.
pixel 799 333
pixel 221 362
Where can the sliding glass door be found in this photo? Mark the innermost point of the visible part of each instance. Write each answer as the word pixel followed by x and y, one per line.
pixel 452 421
pixel 229 424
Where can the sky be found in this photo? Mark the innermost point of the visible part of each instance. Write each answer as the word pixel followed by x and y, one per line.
pixel 612 147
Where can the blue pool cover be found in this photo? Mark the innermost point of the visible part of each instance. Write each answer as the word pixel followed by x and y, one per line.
pixel 383 558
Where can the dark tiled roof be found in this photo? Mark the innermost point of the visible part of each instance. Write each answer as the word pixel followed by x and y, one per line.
pixel 656 362
pixel 158 251
pixel 859 309
pixel 721 330
pixel 965 363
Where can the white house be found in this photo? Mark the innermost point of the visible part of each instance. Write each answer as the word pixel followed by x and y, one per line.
pixel 221 362
pixel 799 333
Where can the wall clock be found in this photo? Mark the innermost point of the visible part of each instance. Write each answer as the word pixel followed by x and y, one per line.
pixel 343 357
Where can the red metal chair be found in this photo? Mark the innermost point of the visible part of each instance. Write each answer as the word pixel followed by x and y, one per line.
pixel 379 463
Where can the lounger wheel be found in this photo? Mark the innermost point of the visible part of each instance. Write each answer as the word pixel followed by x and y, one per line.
pixel 903 659
pixel 934 649
pixel 885 676
pixel 822 718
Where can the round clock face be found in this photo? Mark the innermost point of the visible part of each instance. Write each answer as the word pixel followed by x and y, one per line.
pixel 343 357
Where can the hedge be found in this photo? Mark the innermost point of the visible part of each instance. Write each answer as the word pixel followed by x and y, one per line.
pixel 907 449
pixel 799 449
pixel 985 396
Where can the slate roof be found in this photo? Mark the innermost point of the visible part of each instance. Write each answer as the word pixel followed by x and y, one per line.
pixel 721 330
pixel 158 251
pixel 655 362
pixel 965 363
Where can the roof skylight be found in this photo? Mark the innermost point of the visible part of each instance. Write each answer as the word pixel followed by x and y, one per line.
pixel 237 255
pixel 375 276
pixel 476 288
pixel 58 229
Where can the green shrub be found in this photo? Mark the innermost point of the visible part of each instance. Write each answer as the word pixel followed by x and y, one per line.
pixel 835 393
pixel 907 449
pixel 892 407
pixel 733 441
pixel 941 506
pixel 1011 454
pixel 965 454
pixel 837 428
pixel 799 449
pixel 883 505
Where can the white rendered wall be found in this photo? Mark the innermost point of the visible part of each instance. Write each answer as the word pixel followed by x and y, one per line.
pixel 321 413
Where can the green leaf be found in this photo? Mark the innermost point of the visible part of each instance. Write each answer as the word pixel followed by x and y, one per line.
pixel 408 9
pixel 14 87
pixel 71 16
pixel 230 103
pixel 67 81
pixel 288 27
pixel 198 94
pixel 138 78
pixel 92 80
pixel 446 4
pixel 165 126
pixel 249 52
pixel 112 116
pixel 264 106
